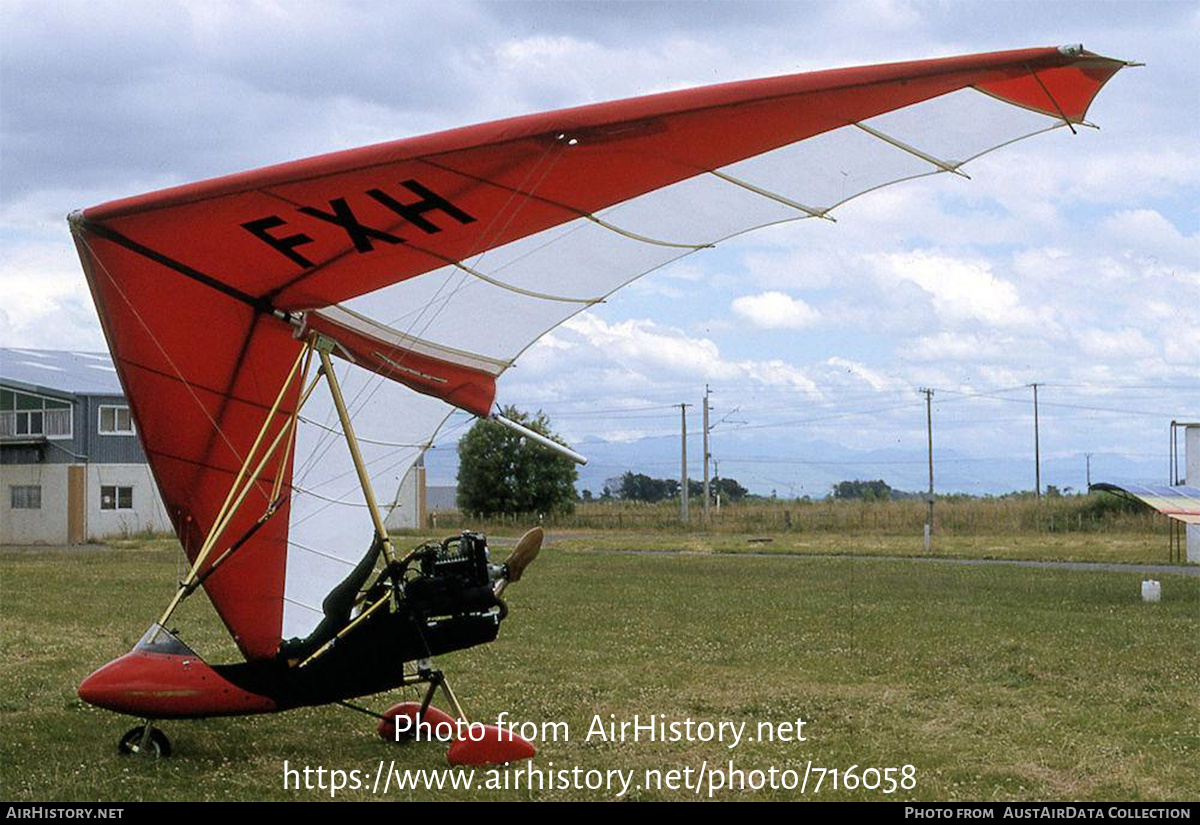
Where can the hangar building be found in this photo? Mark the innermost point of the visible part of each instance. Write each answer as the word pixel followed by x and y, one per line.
pixel 71 465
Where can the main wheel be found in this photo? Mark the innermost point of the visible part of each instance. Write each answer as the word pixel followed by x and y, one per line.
pixel 157 745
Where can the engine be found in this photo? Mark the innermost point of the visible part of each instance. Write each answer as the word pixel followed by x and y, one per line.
pixel 452 578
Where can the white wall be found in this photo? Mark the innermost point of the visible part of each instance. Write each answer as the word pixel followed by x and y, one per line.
pixel 148 512
pixel 45 526
pixel 49 524
pixel 1191 442
pixel 407 508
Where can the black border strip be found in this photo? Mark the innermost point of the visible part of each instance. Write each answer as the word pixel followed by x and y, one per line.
pixel 110 234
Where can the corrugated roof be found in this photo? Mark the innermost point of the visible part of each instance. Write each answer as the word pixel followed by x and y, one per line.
pixel 1175 500
pixel 63 371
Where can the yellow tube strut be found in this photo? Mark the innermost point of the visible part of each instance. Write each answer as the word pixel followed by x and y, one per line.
pixel 341 633
pixel 364 479
pixel 225 514
pixel 188 583
pixel 238 491
pixel 287 452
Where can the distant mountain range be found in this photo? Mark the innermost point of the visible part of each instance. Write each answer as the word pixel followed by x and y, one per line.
pixel 794 467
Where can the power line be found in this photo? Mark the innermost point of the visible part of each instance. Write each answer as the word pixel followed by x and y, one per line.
pixel 830 417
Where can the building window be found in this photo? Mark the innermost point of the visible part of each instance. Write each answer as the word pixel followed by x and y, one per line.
pixel 26 496
pixel 116 498
pixel 115 421
pixel 24 414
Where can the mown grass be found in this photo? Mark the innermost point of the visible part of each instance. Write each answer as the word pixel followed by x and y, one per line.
pixel 1117 548
pixel 1098 527
pixel 996 683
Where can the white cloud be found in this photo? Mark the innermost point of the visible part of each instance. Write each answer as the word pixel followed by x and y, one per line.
pixel 954 346
pixel 961 290
pixel 1089 167
pixel 1123 344
pixel 775 310
pixel 1183 349
pixel 646 348
pixel 1156 241
pixel 875 380
pixel 44 299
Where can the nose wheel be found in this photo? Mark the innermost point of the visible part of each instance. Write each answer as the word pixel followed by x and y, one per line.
pixel 145 740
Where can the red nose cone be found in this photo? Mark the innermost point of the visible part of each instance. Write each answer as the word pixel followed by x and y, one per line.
pixel 97 689
pixel 164 686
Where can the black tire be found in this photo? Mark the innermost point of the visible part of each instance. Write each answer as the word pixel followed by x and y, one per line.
pixel 158 746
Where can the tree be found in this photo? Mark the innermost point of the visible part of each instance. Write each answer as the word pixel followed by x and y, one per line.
pixel 499 471
pixel 865 490
pixel 641 487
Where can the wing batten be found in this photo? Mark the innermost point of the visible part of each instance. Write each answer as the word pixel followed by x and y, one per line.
pixel 529 293
pixel 402 341
pixel 775 196
pixel 943 165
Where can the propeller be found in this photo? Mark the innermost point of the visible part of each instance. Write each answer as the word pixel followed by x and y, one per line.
pixel 527 549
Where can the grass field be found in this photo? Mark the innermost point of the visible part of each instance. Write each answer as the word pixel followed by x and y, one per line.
pixel 995 683
pixel 1120 548
pixel 1097 527
pixel 1097 513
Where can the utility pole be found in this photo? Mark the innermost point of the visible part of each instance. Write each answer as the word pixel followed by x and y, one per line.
pixel 1089 471
pixel 1037 447
pixel 929 431
pixel 683 475
pixel 707 455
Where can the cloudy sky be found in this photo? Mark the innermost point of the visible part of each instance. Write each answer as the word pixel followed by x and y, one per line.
pixel 1072 261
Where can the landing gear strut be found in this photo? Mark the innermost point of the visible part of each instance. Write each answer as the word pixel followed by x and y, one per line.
pixel 470 744
pixel 145 740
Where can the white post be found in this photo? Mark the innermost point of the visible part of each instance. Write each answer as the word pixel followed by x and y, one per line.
pixel 1191 451
pixel 683 476
pixel 706 456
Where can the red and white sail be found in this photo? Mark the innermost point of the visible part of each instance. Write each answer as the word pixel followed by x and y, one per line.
pixel 435 261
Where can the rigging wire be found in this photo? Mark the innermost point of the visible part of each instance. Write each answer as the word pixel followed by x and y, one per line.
pixel 170 361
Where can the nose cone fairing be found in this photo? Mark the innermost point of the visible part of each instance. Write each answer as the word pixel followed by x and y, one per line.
pixel 163 678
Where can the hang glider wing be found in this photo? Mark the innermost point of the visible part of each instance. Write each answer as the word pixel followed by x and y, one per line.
pixel 1179 501
pixel 435 261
